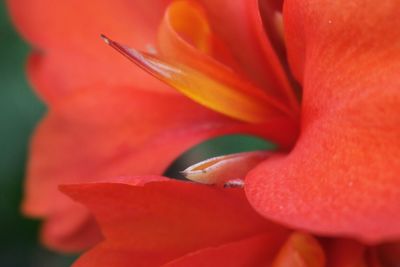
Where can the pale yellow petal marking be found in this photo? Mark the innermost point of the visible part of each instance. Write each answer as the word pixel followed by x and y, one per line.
pixel 219 170
pixel 243 102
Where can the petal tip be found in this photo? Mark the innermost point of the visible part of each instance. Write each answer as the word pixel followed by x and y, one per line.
pixel 105 39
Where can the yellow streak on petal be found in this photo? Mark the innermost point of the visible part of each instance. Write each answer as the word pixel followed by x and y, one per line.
pixel 231 97
pixel 219 170
pixel 300 250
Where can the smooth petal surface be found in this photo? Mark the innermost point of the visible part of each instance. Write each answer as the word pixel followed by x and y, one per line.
pixel 250 252
pixel 346 253
pixel 70 53
pixel 58 74
pixel 69 229
pixel 166 219
pixel 240 26
pixel 224 93
pixel 134 21
pixel 185 35
pixel 106 132
pixel 342 177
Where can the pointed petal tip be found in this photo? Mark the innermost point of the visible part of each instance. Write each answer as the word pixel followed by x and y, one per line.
pixel 239 101
pixel 221 169
pixel 70 190
pixel 105 39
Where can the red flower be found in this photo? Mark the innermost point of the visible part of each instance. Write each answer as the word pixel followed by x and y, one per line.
pixel 161 222
pixel 107 118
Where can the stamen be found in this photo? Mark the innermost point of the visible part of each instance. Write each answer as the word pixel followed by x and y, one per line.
pixel 232 97
pixel 227 169
pixel 235 183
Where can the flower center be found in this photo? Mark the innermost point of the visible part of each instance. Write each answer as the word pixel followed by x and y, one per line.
pixel 191 60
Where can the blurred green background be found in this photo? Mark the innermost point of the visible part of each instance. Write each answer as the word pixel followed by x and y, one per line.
pixel 20 111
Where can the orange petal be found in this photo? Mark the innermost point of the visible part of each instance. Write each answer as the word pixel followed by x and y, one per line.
pixel 239 25
pixel 185 36
pixel 220 169
pixel 58 74
pixel 71 229
pixel 300 250
pixel 69 57
pixel 104 132
pixel 135 22
pixel 342 177
pixel 187 21
pixel 237 100
pixel 165 219
pixel 254 251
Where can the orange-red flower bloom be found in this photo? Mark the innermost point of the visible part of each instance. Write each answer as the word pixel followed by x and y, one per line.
pixel 161 222
pixel 109 118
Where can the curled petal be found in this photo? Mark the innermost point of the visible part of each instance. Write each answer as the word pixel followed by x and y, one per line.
pixel 222 92
pixel 342 177
pixel 220 169
pixel 185 36
pixel 239 24
pixel 254 251
pixel 167 219
pixel 104 132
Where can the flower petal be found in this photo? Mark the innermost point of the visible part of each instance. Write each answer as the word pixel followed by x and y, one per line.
pixel 58 74
pixel 222 91
pixel 72 56
pixel 70 229
pixel 185 36
pixel 165 219
pixel 342 177
pixel 55 25
pixel 254 251
pixel 300 250
pixel 239 25
pixel 106 132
